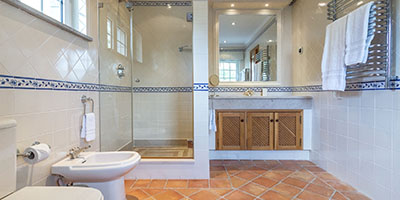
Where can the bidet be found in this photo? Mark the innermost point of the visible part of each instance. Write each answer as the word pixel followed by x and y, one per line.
pixel 101 170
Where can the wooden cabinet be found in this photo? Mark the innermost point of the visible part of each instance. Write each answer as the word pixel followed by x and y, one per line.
pixel 259 129
pixel 231 126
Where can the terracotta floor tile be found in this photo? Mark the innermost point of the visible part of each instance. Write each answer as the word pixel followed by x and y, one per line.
pixel 324 191
pixel 218 174
pixel 168 195
pixel 338 196
pixel 204 195
pixel 306 195
pixel 276 175
pixel 305 163
pixel 129 184
pixel 221 192
pixel 232 170
pixel 303 175
pixel 138 193
pixel 265 182
pixel 217 168
pixel 272 195
pixel 318 181
pixel 246 162
pixel 326 176
pixel 340 186
pixel 187 192
pixel 153 192
pixel 288 162
pixel 238 195
pixel 155 183
pixel 237 182
pixel 231 162
pixel 257 170
pixel 253 189
pixel 295 182
pixel 143 183
pixel 220 183
pixel 198 183
pixel 216 162
pixel 355 196
pixel 246 175
pixel 286 189
pixel 259 162
pixel 314 169
pixel 177 184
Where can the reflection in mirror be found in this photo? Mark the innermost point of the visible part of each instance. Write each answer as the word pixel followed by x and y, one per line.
pixel 248 48
pixel 68 12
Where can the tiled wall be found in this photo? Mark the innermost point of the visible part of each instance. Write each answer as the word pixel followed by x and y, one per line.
pixel 33 48
pixel 163 115
pixel 116 108
pixel 355 134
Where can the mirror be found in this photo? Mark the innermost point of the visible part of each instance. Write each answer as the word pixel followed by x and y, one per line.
pixel 247 48
pixel 72 13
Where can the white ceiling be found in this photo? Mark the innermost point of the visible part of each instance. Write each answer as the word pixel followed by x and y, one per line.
pixel 247 27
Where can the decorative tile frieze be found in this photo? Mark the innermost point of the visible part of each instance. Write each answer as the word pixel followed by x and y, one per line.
pixel 161 3
pixel 200 87
pixel 161 89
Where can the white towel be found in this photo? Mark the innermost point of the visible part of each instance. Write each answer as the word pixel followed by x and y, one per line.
pixel 357 39
pixel 213 123
pixel 88 130
pixel 333 67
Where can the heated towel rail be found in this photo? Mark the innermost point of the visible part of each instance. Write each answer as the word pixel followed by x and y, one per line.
pixel 377 67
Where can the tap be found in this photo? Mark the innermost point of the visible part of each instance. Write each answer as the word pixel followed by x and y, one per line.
pixel 249 92
pixel 74 152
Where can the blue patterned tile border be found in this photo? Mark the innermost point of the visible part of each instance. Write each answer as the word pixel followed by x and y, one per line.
pixel 376 85
pixel 161 3
pixel 18 82
pixel 161 89
pixel 200 87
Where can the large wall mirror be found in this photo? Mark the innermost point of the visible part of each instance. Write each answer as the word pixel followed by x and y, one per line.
pixel 248 44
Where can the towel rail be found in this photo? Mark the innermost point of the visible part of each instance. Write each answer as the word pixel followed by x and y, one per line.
pixel 377 67
pixel 84 100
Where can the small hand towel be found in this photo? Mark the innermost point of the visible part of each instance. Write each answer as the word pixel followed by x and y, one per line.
pixel 213 124
pixel 88 130
pixel 333 67
pixel 357 39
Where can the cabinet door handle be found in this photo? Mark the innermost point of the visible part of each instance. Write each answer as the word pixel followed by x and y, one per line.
pixel 242 120
pixel 277 120
pixel 271 120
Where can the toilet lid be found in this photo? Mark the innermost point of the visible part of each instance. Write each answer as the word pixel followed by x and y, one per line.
pixel 59 193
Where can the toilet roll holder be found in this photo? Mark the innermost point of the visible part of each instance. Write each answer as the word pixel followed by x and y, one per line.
pixel 28 155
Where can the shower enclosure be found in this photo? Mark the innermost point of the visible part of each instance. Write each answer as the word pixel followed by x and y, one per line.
pixel 145 49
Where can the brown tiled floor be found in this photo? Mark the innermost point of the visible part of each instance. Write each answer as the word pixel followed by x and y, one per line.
pixel 245 180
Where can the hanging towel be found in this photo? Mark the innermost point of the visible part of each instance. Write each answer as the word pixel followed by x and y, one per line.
pixel 358 40
pixel 88 130
pixel 213 123
pixel 333 67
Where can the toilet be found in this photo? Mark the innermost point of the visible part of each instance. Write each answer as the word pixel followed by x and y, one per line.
pixel 8 174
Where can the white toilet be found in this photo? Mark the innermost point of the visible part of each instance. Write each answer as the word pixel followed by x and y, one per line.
pixel 9 176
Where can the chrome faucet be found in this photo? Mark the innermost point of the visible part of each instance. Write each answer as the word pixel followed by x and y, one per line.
pixel 249 92
pixel 74 152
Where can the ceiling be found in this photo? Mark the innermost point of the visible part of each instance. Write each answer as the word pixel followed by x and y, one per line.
pixel 253 4
pixel 246 28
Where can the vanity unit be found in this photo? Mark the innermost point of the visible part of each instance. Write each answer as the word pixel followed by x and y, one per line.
pixel 261 126
pixel 259 129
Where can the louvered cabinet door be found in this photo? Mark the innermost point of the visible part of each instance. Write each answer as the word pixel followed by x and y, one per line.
pixel 288 131
pixel 260 131
pixel 231 131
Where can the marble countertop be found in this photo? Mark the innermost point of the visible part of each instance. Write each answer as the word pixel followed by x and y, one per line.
pixel 241 97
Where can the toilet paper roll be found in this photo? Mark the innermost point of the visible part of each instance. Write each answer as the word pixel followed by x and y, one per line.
pixel 37 153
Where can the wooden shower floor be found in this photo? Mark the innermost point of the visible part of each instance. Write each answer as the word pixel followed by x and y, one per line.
pixel 247 180
pixel 164 152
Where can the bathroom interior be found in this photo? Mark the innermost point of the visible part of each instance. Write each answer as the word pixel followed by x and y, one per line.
pixel 200 99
